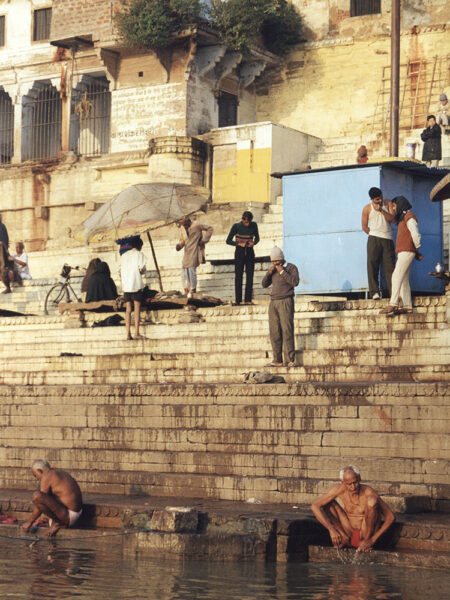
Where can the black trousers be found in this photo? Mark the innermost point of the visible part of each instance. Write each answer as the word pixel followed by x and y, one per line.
pixel 379 251
pixel 244 258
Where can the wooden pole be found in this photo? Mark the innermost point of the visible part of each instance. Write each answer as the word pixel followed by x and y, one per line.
pixel 155 261
pixel 395 76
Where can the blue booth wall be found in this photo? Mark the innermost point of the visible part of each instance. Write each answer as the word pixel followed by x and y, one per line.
pixel 322 226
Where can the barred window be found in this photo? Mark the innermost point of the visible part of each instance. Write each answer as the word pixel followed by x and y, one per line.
pixel 364 7
pixel 90 116
pixel 2 30
pixel 41 122
pixel 41 24
pixel 6 127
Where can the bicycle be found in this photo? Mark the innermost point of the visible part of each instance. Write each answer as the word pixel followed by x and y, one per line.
pixel 60 292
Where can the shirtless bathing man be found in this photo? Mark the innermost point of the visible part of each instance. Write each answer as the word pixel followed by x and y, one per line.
pixel 359 523
pixel 59 497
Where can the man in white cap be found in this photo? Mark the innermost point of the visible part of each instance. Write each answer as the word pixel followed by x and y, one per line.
pixel 443 111
pixel 283 277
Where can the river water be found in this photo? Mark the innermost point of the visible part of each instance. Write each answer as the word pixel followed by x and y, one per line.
pixel 93 570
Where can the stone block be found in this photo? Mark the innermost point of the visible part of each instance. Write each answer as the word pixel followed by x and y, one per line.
pixel 175 520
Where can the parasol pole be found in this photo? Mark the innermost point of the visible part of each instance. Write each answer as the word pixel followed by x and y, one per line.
pixel 155 261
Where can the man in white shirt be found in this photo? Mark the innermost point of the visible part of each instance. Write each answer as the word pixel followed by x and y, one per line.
pixel 376 222
pixel 20 258
pixel 132 265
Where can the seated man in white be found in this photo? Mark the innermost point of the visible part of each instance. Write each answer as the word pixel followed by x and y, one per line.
pixel 21 261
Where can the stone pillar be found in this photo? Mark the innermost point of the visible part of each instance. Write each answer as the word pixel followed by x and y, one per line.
pixel 17 103
pixel 179 159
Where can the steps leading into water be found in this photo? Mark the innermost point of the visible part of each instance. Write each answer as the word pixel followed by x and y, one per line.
pixel 274 532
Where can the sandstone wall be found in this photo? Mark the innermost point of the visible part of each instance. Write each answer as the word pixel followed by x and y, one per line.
pixel 275 443
pixel 332 88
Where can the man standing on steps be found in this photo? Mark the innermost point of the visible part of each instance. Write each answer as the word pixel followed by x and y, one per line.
pixel 376 222
pixel 59 497
pixel 359 522
pixel 283 277
pixel 193 238
pixel 244 236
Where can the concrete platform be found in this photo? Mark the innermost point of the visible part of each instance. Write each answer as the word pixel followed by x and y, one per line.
pixel 237 530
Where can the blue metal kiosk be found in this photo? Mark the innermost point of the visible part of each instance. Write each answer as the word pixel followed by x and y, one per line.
pixel 322 223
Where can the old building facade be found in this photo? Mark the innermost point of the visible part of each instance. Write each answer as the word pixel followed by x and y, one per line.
pixel 82 116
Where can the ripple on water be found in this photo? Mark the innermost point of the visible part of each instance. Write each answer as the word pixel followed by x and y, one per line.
pixel 97 570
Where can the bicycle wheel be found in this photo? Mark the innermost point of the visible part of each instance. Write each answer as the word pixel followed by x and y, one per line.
pixel 58 293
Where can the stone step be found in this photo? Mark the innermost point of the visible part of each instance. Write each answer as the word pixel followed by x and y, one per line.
pixel 223 358
pixel 167 339
pixel 168 372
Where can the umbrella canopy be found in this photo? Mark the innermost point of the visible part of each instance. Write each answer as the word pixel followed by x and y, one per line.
pixel 140 208
pixel 441 190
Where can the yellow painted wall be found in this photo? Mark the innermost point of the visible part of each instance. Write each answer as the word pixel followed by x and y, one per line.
pixel 245 177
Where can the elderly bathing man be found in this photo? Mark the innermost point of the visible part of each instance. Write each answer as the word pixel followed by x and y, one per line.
pixel 59 497
pixel 359 523
pixel 283 277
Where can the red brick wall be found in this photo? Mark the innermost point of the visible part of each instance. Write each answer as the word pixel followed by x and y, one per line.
pixel 83 17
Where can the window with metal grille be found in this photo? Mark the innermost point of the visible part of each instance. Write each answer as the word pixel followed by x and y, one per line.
pixel 6 127
pixel 41 24
pixel 364 7
pixel 228 107
pixel 2 30
pixel 90 117
pixel 41 122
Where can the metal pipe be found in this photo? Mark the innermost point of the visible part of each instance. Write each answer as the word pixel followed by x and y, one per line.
pixel 395 76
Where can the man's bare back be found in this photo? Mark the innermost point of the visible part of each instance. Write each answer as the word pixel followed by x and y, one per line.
pixel 63 486
pixel 59 497
pixel 361 513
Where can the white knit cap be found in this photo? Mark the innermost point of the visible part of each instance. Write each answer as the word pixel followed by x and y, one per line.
pixel 276 254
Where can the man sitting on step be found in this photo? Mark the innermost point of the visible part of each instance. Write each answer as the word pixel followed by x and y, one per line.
pixel 59 497
pixel 358 522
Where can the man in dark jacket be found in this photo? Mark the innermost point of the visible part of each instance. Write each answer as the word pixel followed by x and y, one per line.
pixel 283 277
pixel 431 136
pixel 4 257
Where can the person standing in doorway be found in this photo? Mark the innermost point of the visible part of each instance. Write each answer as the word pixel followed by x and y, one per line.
pixel 193 238
pixel 283 277
pixel 244 236
pixel 132 266
pixel 377 222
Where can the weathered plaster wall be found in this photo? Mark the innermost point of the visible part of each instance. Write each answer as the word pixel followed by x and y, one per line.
pixel 48 203
pixel 331 18
pixel 332 89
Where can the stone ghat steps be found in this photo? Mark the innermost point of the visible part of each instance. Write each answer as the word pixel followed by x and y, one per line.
pixel 278 443
pixel 363 314
pixel 168 372
pixel 164 340
pixel 223 352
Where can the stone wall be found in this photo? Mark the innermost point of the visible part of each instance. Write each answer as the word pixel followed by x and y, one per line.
pixel 335 87
pixel 276 443
pixel 331 18
pixel 79 18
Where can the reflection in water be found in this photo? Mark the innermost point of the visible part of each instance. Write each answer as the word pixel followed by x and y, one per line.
pixel 97 570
